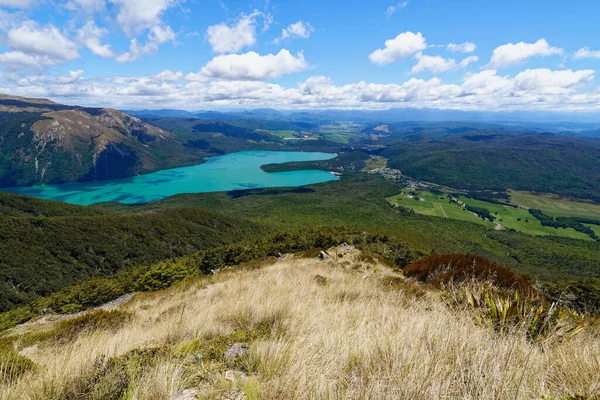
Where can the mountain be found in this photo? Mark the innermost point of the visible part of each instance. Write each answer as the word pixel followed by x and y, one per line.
pixel 553 120
pixel 160 113
pixel 44 142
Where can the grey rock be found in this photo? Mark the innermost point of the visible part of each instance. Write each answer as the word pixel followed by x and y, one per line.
pixel 189 394
pixel 235 351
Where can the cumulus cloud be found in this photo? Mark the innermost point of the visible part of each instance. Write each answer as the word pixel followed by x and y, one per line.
pixel 90 36
pixel 516 53
pixel 168 76
pixel 253 66
pixel 466 47
pixel 392 9
pixel 532 89
pixel 18 60
pixel 135 16
pixel 296 30
pixel 546 81
pixel 157 36
pixel 439 64
pixel 585 52
pixel 232 38
pixel 32 45
pixel 402 46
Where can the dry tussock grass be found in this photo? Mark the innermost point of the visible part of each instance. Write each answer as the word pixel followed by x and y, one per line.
pixel 338 330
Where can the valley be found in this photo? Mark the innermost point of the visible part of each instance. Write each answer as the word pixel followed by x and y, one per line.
pixel 284 198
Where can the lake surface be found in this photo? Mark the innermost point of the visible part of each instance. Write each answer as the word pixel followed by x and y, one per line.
pixel 233 171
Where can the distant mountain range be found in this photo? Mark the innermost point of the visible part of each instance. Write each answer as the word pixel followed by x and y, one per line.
pixel 562 123
pixel 46 142
pixel 391 115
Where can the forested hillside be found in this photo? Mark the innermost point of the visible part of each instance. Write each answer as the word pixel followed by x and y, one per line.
pixel 500 160
pixel 49 246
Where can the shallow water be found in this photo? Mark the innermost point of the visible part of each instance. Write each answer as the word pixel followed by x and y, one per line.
pixel 233 171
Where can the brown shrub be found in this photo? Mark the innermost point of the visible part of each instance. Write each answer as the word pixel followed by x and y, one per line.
pixel 442 269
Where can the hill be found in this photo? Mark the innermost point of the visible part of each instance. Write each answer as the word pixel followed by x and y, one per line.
pixel 47 246
pixel 346 327
pixel 501 160
pixel 44 142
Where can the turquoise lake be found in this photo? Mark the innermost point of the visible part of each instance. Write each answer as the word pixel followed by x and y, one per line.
pixel 235 171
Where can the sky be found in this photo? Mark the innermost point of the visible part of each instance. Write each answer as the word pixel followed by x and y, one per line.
pixel 492 55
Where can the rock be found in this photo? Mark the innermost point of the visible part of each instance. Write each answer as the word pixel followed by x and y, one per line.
pixel 235 394
pixel 235 351
pixel 233 376
pixel 324 256
pixel 189 394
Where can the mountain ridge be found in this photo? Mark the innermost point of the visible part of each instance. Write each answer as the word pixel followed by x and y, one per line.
pixel 43 142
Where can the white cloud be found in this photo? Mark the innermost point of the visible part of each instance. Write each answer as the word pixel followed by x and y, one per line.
pixel 466 47
pixel 514 54
pixel 16 3
pixel 402 46
pixel 18 60
pixel 533 89
pixel 135 16
pixel 585 52
pixel 35 46
pixel 296 30
pixel 89 35
pixel 439 64
pixel 72 77
pixel 230 39
pixel 392 9
pixel 157 36
pixel 544 80
pixel 168 76
pixel 252 66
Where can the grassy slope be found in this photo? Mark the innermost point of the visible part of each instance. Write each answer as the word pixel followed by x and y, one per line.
pixel 369 339
pixel 556 205
pixel 358 201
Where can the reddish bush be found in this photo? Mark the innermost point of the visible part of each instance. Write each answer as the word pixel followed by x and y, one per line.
pixel 441 269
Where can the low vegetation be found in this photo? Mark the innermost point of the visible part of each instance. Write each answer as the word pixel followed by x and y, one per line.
pixel 375 335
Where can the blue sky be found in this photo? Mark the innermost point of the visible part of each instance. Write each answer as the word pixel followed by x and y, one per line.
pixel 204 54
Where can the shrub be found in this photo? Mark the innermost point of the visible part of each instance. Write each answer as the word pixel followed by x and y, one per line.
pixel 70 329
pixel 443 269
pixel 503 312
pixel 14 366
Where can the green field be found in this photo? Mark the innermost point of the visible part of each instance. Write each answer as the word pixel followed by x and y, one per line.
pixel 518 219
pixel 595 228
pixel 557 206
pixel 375 162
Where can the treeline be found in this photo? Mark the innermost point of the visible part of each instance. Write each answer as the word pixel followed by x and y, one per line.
pixel 484 213
pixel 566 222
pixel 97 291
pixel 501 198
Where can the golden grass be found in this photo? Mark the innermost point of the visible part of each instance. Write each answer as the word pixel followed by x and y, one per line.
pixel 337 331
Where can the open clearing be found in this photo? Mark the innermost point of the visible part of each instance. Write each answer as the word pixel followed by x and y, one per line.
pixel 519 219
pixel 555 205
